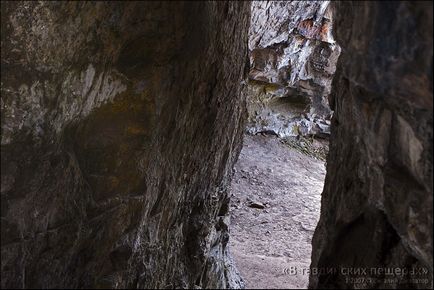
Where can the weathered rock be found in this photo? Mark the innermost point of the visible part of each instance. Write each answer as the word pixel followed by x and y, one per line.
pixel 377 204
pixel 114 161
pixel 293 57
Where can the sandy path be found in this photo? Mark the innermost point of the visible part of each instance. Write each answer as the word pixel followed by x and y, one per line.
pixel 265 242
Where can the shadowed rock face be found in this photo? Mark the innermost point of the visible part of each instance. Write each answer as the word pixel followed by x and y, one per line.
pixel 114 160
pixel 377 200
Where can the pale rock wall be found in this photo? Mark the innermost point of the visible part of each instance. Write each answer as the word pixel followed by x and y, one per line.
pixel 292 58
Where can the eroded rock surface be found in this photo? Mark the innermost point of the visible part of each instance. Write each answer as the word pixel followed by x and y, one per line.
pixel 377 204
pixel 292 58
pixel 114 161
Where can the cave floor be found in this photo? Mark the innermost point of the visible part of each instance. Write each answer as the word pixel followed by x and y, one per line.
pixel 266 242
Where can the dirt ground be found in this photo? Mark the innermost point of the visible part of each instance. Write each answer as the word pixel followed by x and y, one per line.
pixel 276 196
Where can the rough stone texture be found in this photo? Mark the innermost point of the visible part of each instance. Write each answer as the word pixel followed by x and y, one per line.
pixel 114 161
pixel 378 195
pixel 293 57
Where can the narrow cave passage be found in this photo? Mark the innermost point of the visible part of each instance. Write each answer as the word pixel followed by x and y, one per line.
pixel 122 123
pixel 279 176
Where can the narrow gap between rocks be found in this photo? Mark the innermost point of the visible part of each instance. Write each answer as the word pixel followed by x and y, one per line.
pixel 276 198
pixel 279 176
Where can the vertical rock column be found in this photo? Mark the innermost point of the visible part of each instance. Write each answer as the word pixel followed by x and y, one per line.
pixel 377 204
pixel 120 124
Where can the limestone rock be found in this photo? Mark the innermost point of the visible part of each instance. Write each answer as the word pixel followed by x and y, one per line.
pixel 377 204
pixel 114 162
pixel 293 57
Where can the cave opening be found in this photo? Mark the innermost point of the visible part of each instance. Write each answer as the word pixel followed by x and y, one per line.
pixel 279 176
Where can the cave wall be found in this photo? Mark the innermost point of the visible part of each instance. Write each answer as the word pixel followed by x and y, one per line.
pixel 376 209
pixel 114 161
pixel 292 61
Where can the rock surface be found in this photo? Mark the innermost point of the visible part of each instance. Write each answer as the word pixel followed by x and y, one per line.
pixel 293 57
pixel 377 204
pixel 114 163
